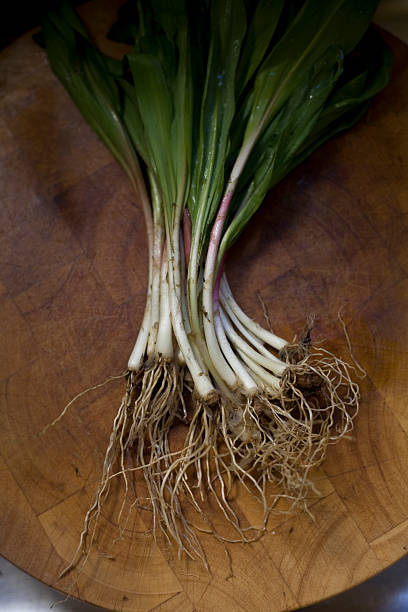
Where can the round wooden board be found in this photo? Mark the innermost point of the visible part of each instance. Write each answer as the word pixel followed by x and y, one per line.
pixel 72 285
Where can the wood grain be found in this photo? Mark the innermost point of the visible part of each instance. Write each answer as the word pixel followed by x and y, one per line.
pixel 73 261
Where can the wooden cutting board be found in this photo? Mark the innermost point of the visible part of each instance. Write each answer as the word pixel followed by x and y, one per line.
pixel 73 266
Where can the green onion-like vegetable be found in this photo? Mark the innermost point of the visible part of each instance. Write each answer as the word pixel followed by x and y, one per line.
pixel 215 103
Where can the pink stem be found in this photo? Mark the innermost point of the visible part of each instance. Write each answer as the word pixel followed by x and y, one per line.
pixel 216 233
pixel 218 226
pixel 187 233
pixel 216 291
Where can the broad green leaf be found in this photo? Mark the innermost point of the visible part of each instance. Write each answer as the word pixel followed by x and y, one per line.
pixel 318 25
pixel 306 122
pixel 133 121
pixel 182 126
pixel 156 111
pixel 284 136
pixel 350 99
pixel 260 32
pixel 85 74
pixel 206 81
pixel 158 104
pixel 217 110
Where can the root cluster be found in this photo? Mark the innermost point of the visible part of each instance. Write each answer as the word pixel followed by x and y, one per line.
pixel 193 456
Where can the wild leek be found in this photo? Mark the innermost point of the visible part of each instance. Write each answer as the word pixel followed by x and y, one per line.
pixel 215 103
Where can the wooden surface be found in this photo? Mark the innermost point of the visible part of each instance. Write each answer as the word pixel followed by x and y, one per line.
pixel 72 284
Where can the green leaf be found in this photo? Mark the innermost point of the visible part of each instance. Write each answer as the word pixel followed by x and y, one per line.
pixel 282 139
pixel 258 37
pixel 85 74
pixel 155 107
pixel 133 121
pixel 319 24
pixel 351 97
pixel 159 100
pixel 217 111
pixel 331 102
pixel 202 88
pixel 182 126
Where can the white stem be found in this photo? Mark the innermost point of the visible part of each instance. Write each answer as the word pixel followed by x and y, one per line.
pixel 217 358
pixel 184 303
pixel 202 382
pixel 180 357
pixel 185 310
pixel 272 382
pixel 247 382
pixel 256 342
pixel 139 350
pixel 155 309
pixel 226 296
pixel 164 342
pixel 214 350
pixel 274 365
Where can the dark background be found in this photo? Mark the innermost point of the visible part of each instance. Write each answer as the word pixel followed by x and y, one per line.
pixel 19 16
